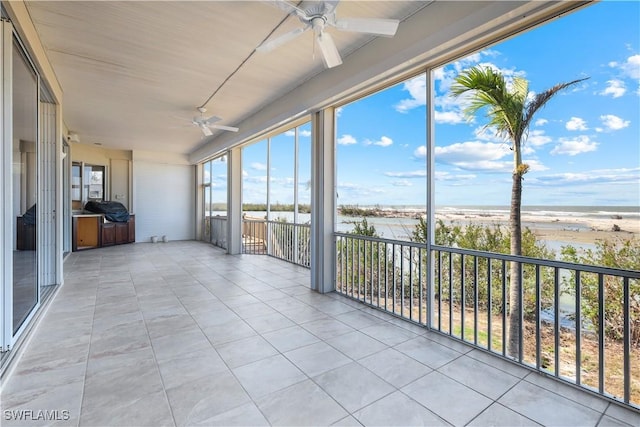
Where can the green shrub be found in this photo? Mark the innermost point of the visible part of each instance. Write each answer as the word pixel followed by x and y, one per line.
pixel 620 254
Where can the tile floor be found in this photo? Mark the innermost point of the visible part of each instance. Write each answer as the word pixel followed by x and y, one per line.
pixel 181 334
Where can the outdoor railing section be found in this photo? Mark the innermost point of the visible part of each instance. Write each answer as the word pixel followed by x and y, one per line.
pixel 578 323
pixel 254 236
pixel 215 231
pixel 218 231
pixel 283 240
pixel 289 242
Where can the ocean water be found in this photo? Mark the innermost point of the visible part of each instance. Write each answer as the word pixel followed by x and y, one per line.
pixel 402 228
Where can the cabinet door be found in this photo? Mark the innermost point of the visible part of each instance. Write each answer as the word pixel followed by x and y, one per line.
pixel 122 233
pixel 108 234
pixel 87 232
pixel 132 228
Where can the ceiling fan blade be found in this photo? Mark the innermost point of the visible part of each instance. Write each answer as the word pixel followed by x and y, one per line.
pixel 268 46
pixel 379 26
pixel 211 119
pixel 330 6
pixel 206 130
pixel 330 53
pixel 229 128
pixel 287 7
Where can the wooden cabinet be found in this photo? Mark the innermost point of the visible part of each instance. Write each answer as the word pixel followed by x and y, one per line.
pixel 92 231
pixel 86 232
pixel 122 233
pixel 108 234
pixel 131 233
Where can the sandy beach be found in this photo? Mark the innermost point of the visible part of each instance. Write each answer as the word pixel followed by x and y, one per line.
pixel 581 226
pixel 571 229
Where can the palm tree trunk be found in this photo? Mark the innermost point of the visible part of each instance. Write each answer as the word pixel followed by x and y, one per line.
pixel 515 279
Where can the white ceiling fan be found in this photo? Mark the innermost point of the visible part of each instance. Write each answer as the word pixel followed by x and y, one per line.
pixel 206 123
pixel 317 16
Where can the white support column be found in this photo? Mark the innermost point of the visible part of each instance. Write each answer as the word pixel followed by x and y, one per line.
pixel 431 204
pixel 234 201
pixel 200 200
pixel 323 199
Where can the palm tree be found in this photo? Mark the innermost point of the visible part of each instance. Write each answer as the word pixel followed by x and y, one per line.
pixel 510 110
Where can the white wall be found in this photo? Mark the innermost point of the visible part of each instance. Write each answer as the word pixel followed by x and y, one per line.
pixel 163 196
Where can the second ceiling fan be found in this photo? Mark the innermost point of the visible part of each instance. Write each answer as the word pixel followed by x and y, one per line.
pixel 205 123
pixel 320 15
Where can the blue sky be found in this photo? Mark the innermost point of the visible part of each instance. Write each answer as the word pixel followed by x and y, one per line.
pixel 583 147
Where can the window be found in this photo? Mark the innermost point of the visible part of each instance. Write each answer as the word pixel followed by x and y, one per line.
pixel 87 183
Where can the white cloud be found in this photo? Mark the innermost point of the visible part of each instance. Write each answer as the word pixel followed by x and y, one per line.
pixel 622 176
pixel 612 122
pixel 535 165
pixel 245 173
pixel 475 156
pixel 346 189
pixel 541 122
pixel 420 152
pixel 576 123
pixel 449 117
pixel 572 147
pixel 447 176
pixel 631 66
pixel 346 139
pixel 256 179
pixel 402 183
pixel 615 88
pixel 303 133
pixel 485 133
pixel 258 166
pixel 407 174
pixel 537 138
pixel 417 92
pixel 384 141
pixel 338 111
pixel 471 151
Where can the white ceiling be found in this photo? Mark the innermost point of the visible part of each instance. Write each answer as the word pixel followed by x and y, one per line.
pixel 133 72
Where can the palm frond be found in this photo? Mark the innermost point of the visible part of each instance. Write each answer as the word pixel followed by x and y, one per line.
pixel 542 98
pixel 508 110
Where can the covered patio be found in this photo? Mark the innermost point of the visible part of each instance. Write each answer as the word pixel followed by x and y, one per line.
pixel 181 333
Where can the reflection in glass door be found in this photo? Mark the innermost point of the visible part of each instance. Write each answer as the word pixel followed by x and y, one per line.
pixel 24 188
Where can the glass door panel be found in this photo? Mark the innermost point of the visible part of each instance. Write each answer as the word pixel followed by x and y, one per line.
pixel 24 189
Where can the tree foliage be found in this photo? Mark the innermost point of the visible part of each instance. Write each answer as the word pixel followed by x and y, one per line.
pixel 619 254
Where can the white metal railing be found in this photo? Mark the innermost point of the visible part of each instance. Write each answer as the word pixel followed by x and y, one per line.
pixel 283 240
pixel 215 231
pixel 577 323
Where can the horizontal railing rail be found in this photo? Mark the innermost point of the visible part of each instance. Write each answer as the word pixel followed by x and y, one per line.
pixel 577 323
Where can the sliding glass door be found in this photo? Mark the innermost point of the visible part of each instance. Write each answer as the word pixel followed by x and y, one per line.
pixel 29 170
pixel 25 100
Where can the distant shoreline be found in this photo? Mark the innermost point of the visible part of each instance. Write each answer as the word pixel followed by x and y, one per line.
pixel 584 226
